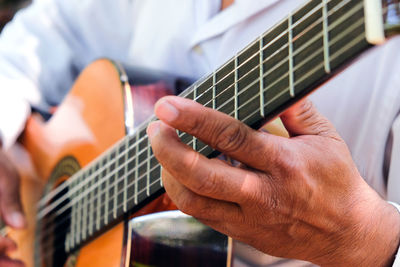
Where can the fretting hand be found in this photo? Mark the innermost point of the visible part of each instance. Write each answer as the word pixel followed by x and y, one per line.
pixel 10 208
pixel 300 197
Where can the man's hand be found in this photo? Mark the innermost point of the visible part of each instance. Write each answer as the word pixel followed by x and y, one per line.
pixel 10 208
pixel 300 197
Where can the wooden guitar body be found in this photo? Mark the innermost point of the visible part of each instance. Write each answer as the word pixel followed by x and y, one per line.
pixel 86 124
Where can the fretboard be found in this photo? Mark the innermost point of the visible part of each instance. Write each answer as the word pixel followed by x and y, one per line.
pixel 276 70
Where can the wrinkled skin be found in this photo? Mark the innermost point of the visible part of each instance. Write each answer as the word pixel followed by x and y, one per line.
pixel 10 208
pixel 300 197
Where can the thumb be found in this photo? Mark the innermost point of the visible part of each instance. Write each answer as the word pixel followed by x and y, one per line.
pixel 304 119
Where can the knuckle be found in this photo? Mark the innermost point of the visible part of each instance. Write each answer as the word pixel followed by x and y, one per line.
pixel 290 160
pixel 208 185
pixel 186 203
pixel 203 212
pixel 197 125
pixel 267 195
pixel 230 138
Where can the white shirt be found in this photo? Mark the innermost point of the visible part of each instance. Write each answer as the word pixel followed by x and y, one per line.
pixel 46 46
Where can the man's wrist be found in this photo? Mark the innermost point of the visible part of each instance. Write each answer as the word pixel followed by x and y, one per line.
pixel 377 241
pixel 396 262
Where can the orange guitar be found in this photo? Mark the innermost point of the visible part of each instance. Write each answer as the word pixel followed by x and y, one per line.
pixel 94 169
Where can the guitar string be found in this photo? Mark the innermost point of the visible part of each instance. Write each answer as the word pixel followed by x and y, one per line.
pixel 86 180
pixel 355 41
pixel 119 168
pixel 118 193
pixel 47 198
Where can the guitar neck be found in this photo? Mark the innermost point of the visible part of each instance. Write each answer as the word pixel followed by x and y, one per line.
pixel 277 69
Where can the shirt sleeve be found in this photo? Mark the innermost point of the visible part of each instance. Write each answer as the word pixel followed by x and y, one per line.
pixel 34 53
pixel 41 51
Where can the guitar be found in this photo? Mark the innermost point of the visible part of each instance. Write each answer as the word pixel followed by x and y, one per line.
pixel 91 215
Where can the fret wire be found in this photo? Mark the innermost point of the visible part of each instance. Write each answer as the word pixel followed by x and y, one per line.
pixel 161 182
pixel 66 242
pixel 136 166
pixel 126 175
pixel 194 138
pixel 107 196
pixel 270 86
pixel 99 194
pixel 148 168
pixel 84 200
pixel 291 71
pixel 213 90
pixel 78 218
pixel 262 113
pixel 49 196
pixel 91 207
pixel 73 223
pixel 236 100
pixel 326 36
pixel 115 187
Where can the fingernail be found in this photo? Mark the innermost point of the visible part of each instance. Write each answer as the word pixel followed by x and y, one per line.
pixel 153 129
pixel 17 219
pixel 166 111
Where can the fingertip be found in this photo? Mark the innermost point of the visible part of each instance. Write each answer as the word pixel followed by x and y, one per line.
pixel 16 219
pixel 166 111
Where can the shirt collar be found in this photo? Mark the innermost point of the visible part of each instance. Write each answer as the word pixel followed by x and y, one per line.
pixel 239 11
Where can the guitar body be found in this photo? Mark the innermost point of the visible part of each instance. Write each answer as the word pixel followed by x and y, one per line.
pixel 87 123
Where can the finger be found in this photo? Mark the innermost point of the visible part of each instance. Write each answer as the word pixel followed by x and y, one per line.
pixel 219 130
pixel 10 204
pixel 199 206
pixel 7 262
pixel 304 119
pixel 6 245
pixel 203 176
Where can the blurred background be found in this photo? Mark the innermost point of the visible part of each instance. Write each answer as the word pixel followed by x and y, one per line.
pixel 8 9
